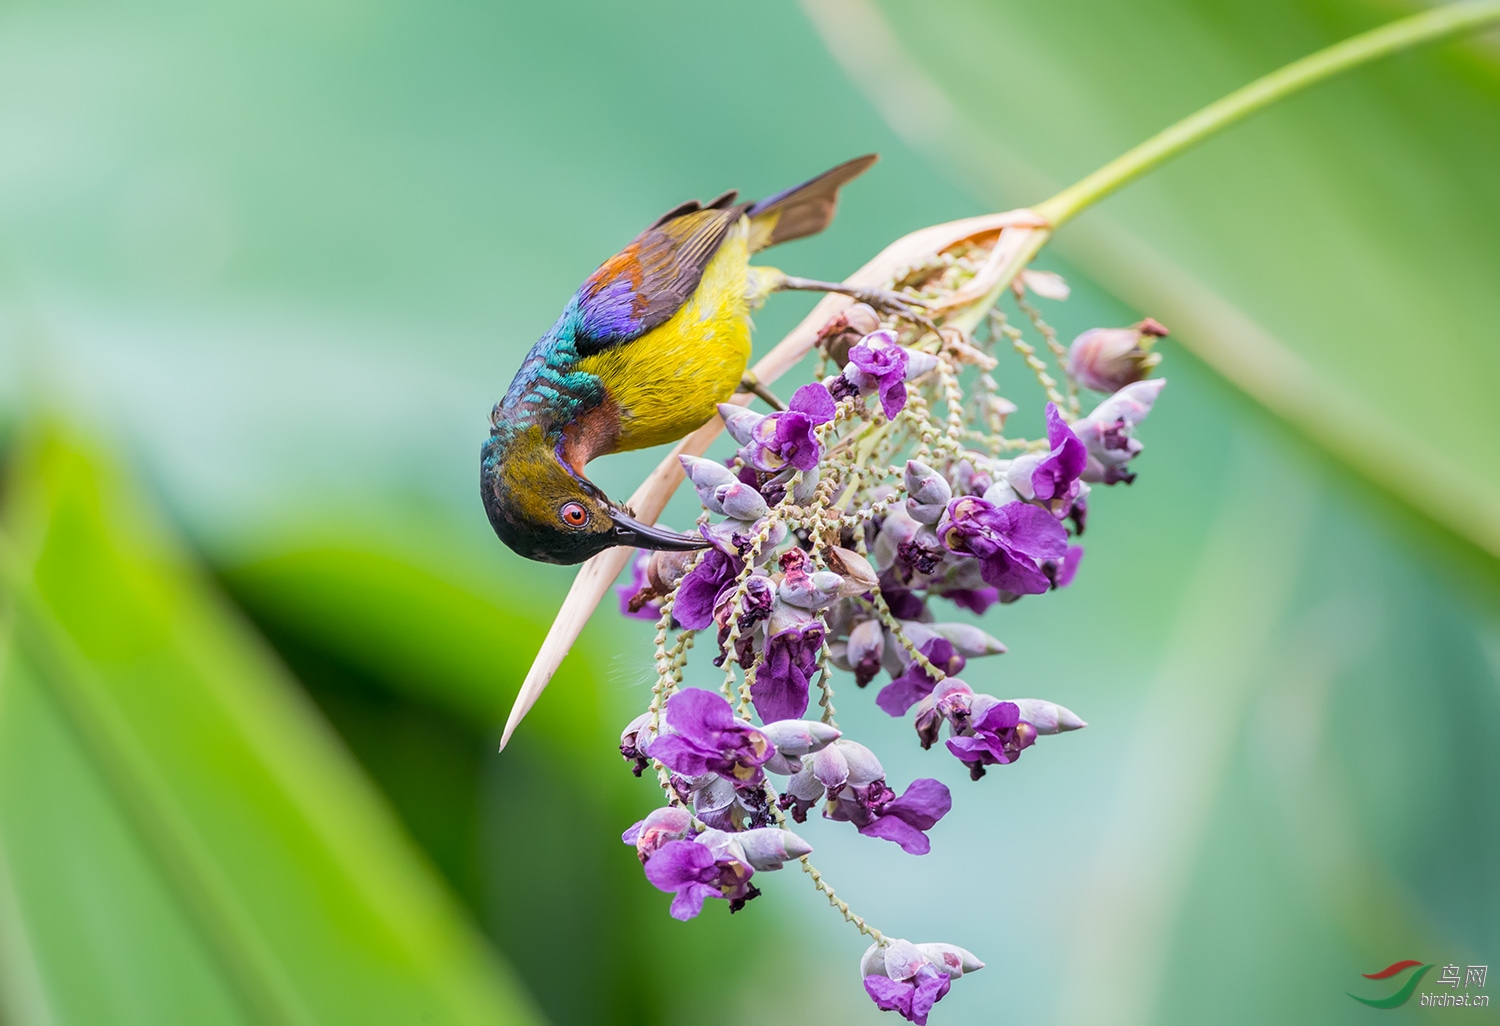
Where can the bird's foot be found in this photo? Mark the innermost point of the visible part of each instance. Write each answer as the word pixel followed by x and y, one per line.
pixel 898 304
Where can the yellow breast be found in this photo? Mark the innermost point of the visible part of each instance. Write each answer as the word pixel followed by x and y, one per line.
pixel 669 381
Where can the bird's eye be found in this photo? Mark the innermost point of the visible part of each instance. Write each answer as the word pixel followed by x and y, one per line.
pixel 574 515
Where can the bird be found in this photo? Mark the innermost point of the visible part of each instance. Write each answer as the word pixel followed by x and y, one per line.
pixel 643 353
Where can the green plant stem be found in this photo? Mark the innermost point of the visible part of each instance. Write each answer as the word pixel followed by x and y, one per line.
pixel 1405 34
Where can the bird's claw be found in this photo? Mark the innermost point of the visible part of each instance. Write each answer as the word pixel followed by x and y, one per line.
pixel 900 304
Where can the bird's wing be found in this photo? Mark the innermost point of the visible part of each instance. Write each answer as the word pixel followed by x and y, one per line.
pixel 644 284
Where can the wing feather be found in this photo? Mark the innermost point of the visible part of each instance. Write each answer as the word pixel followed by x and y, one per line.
pixel 644 284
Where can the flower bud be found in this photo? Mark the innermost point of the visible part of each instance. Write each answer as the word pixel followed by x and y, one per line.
pixel 859 576
pixel 738 501
pixel 739 422
pixel 706 474
pixel 634 740
pixel 1001 492
pixel 799 737
pixel 1130 404
pixel 1018 475
pixel 926 486
pixel 969 640
pixel 665 570
pixel 918 363
pixel 785 616
pixel 767 848
pixel 950 958
pixel 672 823
pixel 783 765
pixel 862 765
pixel 803 490
pixel 850 325
pixel 1108 359
pixel 1106 432
pixel 865 651
pixel 970 480
pixel 811 591
pixel 898 527
pixel 1048 717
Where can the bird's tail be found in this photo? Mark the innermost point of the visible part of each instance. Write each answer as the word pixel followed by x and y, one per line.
pixel 804 209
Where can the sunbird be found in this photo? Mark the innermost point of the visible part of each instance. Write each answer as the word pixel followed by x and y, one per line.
pixel 643 353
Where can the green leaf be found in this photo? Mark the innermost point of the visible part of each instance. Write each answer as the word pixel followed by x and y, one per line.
pixel 1333 257
pixel 181 839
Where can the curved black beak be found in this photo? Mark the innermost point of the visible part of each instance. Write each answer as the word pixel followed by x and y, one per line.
pixel 630 531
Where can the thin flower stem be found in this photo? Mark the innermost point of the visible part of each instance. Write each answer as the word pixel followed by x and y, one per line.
pixel 1426 27
pixel 1059 352
pixel 822 885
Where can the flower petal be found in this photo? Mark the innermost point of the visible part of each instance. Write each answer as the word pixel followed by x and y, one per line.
pixel 815 401
pixel 925 802
pixel 893 828
pixel 689 901
pixel 890 996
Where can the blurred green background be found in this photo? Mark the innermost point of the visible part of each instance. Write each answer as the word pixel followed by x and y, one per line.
pixel 264 267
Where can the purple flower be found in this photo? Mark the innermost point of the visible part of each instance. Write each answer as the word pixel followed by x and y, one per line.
pixel 853 781
pixel 1009 540
pixel 915 683
pixel 913 997
pixel 1107 432
pixel 997 739
pixel 1055 479
pixel 879 365
pixel 789 437
pixel 694 871
pixel 706 738
pixel 694 607
pixel 904 820
pixel 781 685
pixel 910 978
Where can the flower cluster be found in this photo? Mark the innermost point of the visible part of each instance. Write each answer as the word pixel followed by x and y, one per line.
pixel 846 533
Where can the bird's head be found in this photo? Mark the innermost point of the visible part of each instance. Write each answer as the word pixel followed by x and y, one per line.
pixel 544 510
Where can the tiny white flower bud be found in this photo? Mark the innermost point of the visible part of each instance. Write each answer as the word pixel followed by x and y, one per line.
pixel 803 490
pixel 969 640
pixel 739 422
pixel 925 485
pixel 863 767
pixel 739 501
pixel 1130 404
pixel 799 737
pixel 918 363
pixel 1018 476
pixel 766 848
pixel 706 473
pixel 1048 717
